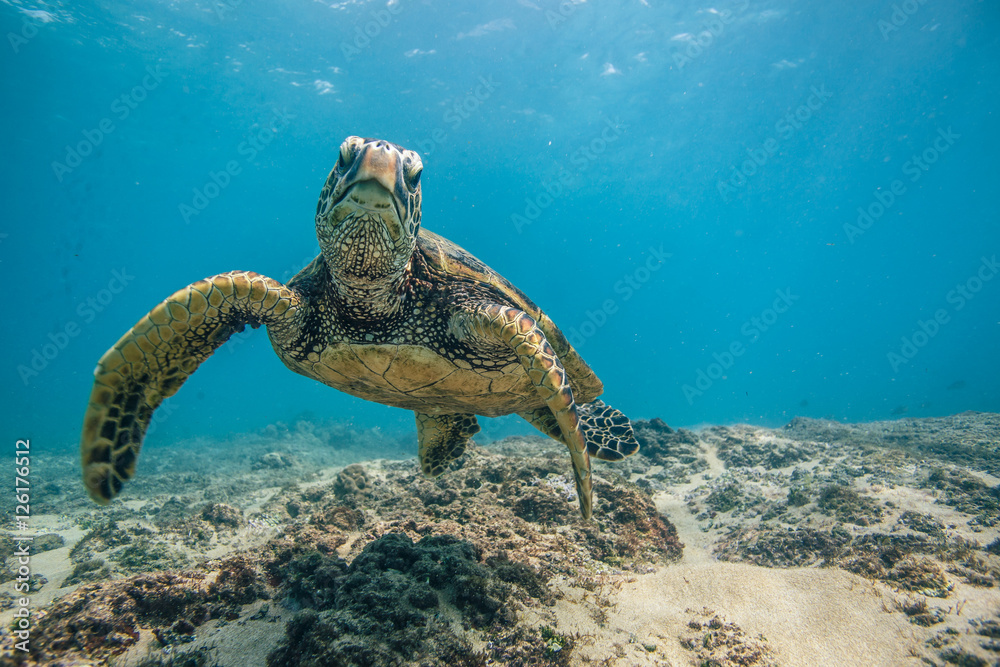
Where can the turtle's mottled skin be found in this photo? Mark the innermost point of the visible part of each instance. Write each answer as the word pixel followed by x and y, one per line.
pixel 388 312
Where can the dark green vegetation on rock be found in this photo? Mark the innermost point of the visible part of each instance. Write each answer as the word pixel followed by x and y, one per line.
pixel 396 600
pixel 678 451
pixel 714 642
pixel 967 494
pixel 849 506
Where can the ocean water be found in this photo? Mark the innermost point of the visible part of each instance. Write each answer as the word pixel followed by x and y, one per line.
pixel 738 211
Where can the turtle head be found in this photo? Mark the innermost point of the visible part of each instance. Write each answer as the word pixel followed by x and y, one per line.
pixel 369 214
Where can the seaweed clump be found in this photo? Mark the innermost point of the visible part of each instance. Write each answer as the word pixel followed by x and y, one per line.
pixel 923 523
pixel 919 613
pixel 777 547
pixel 221 515
pixel 717 643
pixel 394 601
pixel 657 440
pixel 849 506
pixel 967 494
pixel 146 555
pixel 729 493
pixel 92 569
pixel 921 575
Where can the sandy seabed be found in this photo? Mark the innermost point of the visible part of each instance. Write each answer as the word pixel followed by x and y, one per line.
pixel 818 543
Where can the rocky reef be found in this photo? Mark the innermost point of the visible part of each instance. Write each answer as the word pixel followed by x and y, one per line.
pixel 374 566
pixel 287 556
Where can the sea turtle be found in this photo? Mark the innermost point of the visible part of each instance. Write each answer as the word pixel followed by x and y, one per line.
pixel 388 312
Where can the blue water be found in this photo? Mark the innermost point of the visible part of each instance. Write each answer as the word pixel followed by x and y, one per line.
pixel 678 185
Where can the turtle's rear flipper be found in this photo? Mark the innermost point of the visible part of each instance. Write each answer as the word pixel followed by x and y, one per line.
pixel 443 438
pixel 157 355
pixel 607 431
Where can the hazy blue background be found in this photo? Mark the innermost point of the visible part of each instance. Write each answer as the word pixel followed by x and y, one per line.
pixel 684 89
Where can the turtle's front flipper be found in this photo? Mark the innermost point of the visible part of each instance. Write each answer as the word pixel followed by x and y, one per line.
pixel 608 432
pixel 157 355
pixel 493 323
pixel 443 439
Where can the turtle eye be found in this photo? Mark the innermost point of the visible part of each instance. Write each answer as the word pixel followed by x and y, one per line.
pixel 411 172
pixel 348 151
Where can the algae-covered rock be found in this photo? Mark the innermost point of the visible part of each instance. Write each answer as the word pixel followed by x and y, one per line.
pixel 716 642
pixel 677 451
pixel 967 494
pixel 849 506
pixel 920 575
pixel 352 484
pixel 783 547
pixel 98 620
pixel 744 446
pixel 221 515
pixel 389 603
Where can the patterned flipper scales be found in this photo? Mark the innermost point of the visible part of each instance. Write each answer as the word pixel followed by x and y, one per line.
pixel 519 331
pixel 157 355
pixel 443 438
pixel 607 431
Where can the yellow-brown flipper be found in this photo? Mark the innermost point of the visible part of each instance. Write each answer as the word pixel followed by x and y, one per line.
pixel 158 354
pixel 520 332
pixel 442 439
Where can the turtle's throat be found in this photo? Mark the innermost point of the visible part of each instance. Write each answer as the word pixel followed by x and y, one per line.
pixel 368 258
pixel 371 301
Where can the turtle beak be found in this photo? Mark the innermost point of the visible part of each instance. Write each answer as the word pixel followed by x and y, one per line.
pixel 380 163
pixel 374 181
pixel 371 196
